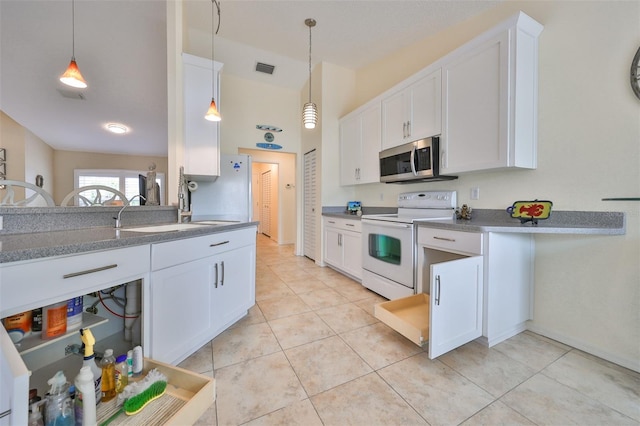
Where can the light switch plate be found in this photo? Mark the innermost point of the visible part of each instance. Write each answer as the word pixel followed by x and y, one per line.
pixel 475 193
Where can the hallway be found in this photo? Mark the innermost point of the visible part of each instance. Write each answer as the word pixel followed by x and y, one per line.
pixel 311 353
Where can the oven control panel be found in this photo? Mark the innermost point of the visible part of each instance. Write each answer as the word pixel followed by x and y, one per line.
pixel 428 200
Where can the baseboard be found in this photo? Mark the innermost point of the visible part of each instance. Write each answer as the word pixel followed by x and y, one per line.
pixel 631 364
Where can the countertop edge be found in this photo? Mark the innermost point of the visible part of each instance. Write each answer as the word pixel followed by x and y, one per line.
pixel 95 239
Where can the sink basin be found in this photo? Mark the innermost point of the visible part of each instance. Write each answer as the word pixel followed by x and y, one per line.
pixel 216 222
pixel 170 227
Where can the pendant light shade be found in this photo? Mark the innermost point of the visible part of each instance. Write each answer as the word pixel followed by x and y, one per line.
pixel 72 76
pixel 212 113
pixel 310 115
pixel 310 110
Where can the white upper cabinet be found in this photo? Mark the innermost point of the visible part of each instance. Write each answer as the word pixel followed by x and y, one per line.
pixel 490 100
pixel 360 146
pixel 413 110
pixel 201 137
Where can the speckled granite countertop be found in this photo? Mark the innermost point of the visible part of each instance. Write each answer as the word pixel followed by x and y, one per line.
pixel 560 222
pixel 26 246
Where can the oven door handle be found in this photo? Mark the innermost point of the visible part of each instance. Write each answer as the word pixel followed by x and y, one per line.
pixel 385 224
pixel 413 159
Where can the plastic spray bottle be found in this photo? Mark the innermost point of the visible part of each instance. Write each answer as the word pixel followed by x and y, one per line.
pixel 90 361
pixel 59 411
pixel 85 401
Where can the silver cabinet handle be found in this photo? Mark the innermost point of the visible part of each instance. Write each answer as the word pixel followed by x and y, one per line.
pixel 445 239
pixel 222 267
pixel 404 130
pixel 408 128
pixel 216 281
pixel 349 224
pixel 331 221
pixel 339 239
pixel 218 244
pixel 437 290
pixel 89 271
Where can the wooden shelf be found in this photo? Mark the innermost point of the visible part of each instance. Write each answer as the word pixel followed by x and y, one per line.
pixel 35 341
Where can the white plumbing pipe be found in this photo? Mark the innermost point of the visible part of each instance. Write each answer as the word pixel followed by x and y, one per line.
pixel 132 308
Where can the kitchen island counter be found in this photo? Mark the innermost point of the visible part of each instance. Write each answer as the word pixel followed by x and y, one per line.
pixel 29 246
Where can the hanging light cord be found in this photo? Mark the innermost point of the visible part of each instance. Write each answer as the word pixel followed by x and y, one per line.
pixel 213 32
pixel 310 62
pixel 73 30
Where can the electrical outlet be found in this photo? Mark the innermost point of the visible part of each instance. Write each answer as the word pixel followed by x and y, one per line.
pixel 381 196
pixel 475 193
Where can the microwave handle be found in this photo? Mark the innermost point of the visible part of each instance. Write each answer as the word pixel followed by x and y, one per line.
pixel 413 159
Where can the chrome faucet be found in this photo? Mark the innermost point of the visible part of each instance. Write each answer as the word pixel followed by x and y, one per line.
pixel 118 221
pixel 183 209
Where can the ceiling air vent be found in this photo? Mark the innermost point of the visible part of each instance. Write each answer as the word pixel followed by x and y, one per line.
pixel 265 68
pixel 71 94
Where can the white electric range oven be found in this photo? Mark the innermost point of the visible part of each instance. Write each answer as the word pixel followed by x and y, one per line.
pixel 389 253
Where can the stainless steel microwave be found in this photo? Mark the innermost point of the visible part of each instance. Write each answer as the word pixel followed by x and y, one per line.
pixel 413 161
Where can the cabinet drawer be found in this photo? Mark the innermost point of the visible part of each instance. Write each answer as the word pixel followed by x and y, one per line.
pixel 28 285
pixel 187 397
pixel 344 224
pixel 453 241
pixel 409 316
pixel 173 253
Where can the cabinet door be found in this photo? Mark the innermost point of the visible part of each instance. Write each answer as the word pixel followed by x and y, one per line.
pixel 201 151
pixel 350 135
pixel 333 247
pixel 475 128
pixel 370 148
pixel 181 316
pixel 426 107
pixel 14 386
pixel 234 291
pixel 394 119
pixel 455 314
pixel 352 253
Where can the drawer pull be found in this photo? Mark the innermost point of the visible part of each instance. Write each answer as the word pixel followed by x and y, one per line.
pixel 218 244
pixel 331 221
pixel 350 224
pixel 445 239
pixel 90 271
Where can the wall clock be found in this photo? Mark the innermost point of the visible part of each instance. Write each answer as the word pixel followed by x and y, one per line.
pixel 635 74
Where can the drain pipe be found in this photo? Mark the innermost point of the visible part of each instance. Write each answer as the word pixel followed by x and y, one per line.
pixel 132 308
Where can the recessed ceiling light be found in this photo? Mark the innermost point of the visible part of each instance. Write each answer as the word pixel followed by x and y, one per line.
pixel 117 128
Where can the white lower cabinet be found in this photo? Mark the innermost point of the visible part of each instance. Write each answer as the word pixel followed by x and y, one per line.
pixel 194 301
pixel 184 305
pixel 27 285
pixel 471 285
pixel 343 245
pixel 449 312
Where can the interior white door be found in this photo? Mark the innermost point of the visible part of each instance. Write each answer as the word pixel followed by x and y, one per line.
pixel 309 197
pixel 455 314
pixel 265 215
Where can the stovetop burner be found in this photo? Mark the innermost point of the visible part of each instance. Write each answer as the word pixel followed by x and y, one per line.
pixel 425 205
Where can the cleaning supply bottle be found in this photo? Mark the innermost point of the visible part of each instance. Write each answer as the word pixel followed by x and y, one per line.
pixel 59 411
pixel 35 418
pixel 85 401
pixel 90 361
pixel 108 365
pixel 122 377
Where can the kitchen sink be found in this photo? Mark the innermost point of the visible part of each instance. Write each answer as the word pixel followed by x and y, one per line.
pixel 170 227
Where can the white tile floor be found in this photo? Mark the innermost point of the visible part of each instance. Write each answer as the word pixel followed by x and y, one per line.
pixel 311 353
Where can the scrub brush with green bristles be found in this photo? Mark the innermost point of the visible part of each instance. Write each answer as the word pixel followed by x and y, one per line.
pixel 137 395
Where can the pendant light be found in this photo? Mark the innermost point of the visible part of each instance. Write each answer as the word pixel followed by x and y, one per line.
pixel 72 76
pixel 212 113
pixel 310 110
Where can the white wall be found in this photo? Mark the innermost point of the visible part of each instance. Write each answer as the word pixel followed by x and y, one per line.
pixel 38 161
pixel 587 288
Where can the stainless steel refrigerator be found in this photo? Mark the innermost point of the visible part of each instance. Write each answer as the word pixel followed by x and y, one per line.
pixel 229 196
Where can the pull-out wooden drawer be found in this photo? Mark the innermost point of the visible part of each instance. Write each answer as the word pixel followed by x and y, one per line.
pixel 408 316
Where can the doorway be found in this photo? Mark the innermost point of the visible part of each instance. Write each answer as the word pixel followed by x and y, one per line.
pixel 265 203
pixel 309 205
